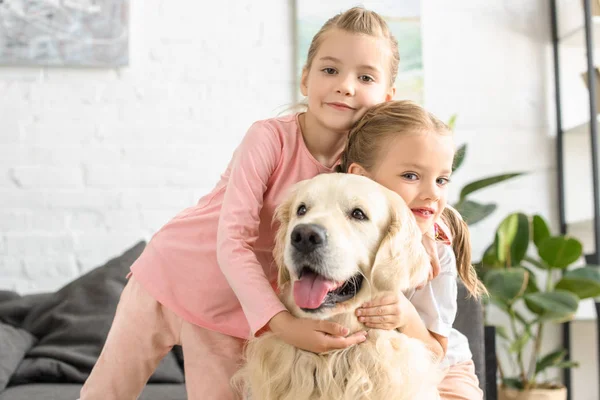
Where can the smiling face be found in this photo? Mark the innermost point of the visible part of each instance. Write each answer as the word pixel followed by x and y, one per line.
pixel 349 73
pixel 417 167
pixel 342 238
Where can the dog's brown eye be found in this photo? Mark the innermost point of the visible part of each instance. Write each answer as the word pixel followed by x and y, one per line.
pixel 301 210
pixel 357 213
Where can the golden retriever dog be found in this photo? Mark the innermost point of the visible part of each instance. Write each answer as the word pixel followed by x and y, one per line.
pixel 342 240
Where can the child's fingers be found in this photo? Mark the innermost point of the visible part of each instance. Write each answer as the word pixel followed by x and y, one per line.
pixel 379 311
pixel 386 322
pixel 385 326
pixel 331 328
pixel 379 319
pixel 382 301
pixel 333 343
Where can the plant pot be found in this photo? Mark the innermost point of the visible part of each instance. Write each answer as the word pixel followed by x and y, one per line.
pixel 534 394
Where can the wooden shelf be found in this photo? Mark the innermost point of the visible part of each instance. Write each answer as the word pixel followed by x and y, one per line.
pixel 576 37
pixel 581 129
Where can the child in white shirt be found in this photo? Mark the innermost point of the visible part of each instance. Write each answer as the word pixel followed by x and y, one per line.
pixel 408 150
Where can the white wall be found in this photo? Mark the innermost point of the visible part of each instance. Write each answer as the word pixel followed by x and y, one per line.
pixel 93 160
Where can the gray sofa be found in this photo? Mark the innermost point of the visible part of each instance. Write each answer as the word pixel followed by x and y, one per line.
pixel 469 321
pixel 49 342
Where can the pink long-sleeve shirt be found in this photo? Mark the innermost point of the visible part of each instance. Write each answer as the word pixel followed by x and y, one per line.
pixel 212 264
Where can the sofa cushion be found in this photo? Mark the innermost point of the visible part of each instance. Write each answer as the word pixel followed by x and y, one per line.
pixel 469 322
pixel 72 324
pixel 62 391
pixel 15 307
pixel 14 343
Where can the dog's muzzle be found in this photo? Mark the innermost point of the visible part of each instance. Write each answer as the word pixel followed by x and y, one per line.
pixel 314 289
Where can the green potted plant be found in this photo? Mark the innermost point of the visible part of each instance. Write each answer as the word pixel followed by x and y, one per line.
pixel 530 277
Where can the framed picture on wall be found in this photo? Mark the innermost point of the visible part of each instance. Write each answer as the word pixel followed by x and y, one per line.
pixel 403 18
pixel 89 33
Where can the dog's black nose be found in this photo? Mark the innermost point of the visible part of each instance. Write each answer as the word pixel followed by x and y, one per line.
pixel 308 237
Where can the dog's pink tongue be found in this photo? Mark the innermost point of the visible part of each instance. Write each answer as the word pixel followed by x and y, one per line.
pixel 311 289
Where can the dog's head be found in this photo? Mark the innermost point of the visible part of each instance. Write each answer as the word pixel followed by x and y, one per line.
pixel 343 238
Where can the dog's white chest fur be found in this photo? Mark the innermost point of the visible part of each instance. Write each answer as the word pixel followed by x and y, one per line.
pixel 389 365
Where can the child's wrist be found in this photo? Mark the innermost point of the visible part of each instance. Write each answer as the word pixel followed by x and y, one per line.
pixel 407 313
pixel 279 321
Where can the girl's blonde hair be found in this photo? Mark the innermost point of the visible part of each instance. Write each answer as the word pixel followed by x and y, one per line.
pixel 461 245
pixel 371 134
pixel 362 21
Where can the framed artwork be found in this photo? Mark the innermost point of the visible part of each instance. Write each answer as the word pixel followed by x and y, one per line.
pixel 87 33
pixel 404 20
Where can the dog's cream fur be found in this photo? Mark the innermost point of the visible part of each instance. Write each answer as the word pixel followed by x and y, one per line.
pixel 386 249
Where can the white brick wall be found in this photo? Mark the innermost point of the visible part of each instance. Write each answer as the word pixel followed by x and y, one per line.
pixel 92 160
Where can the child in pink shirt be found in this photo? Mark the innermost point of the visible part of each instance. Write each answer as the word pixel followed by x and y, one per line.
pixel 206 280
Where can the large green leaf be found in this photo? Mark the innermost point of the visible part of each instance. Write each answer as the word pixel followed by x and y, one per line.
pixel 556 306
pixel 490 258
pixel 459 157
pixel 512 239
pixel 473 212
pixel 520 342
pixel 540 230
pixel 550 360
pixel 483 183
pixel 567 364
pixel 584 282
pixel 560 251
pixel 507 284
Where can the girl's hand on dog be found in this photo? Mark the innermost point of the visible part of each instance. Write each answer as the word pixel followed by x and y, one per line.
pixel 316 336
pixel 384 312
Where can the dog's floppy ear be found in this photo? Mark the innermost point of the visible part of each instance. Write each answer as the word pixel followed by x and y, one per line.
pixel 282 216
pixel 401 261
